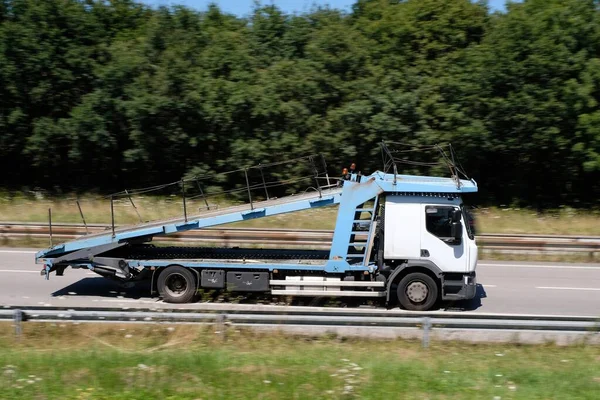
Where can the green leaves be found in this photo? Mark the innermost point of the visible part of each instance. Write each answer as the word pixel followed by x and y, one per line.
pixel 102 95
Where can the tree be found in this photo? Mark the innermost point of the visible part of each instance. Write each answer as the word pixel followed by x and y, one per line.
pixel 539 95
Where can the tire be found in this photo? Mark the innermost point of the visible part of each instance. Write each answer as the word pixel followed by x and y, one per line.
pixel 177 284
pixel 417 292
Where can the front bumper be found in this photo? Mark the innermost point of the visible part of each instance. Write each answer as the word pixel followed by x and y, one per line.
pixel 464 289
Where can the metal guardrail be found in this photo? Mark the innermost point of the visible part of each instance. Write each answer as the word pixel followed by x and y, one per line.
pixel 319 318
pixel 318 239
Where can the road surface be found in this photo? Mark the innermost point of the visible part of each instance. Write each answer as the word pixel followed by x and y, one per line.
pixel 505 287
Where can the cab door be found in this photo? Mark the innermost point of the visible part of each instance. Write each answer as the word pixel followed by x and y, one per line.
pixel 437 241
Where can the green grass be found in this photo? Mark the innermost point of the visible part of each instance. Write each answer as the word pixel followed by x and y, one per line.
pixel 190 362
pixel 97 211
pixel 489 220
pixel 564 221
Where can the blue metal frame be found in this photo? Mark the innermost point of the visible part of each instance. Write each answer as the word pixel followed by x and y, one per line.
pixel 354 192
pixel 138 232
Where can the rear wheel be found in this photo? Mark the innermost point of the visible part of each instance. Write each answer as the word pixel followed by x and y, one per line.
pixel 176 284
pixel 417 292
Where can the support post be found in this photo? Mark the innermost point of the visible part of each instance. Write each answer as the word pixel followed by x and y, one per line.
pixel 112 215
pixel 426 329
pixel 50 224
pixel 263 181
pixel 325 169
pixel 316 171
pixel 134 207
pixel 248 186
pixel 82 218
pixel 202 194
pixel 184 205
pixel 386 152
pixel 454 168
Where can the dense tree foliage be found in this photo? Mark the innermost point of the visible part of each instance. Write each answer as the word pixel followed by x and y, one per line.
pixel 100 95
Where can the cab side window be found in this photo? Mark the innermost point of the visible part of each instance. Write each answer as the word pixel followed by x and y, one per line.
pixel 438 221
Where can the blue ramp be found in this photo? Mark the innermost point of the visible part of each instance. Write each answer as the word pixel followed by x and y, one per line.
pixel 206 219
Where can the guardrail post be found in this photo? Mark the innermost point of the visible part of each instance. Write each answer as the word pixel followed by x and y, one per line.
pixel 221 326
pixel 426 328
pixel 18 319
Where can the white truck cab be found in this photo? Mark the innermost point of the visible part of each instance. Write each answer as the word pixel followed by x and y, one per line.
pixel 431 235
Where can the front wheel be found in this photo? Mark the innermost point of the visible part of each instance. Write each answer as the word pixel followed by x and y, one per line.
pixel 176 284
pixel 417 292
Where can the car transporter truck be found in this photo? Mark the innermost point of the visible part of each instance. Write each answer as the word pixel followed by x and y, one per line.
pixel 397 238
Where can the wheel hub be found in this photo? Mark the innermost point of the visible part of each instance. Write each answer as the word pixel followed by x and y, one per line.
pixel 417 291
pixel 176 284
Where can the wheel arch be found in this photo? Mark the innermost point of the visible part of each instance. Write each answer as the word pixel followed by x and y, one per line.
pixel 406 268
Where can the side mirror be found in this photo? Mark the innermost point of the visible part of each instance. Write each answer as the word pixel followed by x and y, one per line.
pixel 456 216
pixel 456 231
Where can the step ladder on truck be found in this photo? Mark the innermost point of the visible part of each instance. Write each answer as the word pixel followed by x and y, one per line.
pixel 399 238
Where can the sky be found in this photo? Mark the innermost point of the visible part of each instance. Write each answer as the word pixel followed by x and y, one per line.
pixel 244 7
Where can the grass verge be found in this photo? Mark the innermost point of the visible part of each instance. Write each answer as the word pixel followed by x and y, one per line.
pixel 89 361
pixel 550 258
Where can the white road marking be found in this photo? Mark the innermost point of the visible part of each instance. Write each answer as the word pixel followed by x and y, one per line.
pixel 18 251
pixel 20 271
pixel 539 266
pixel 566 288
pixel 487 286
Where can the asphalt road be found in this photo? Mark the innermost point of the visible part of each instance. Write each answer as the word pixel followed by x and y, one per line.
pixel 505 287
